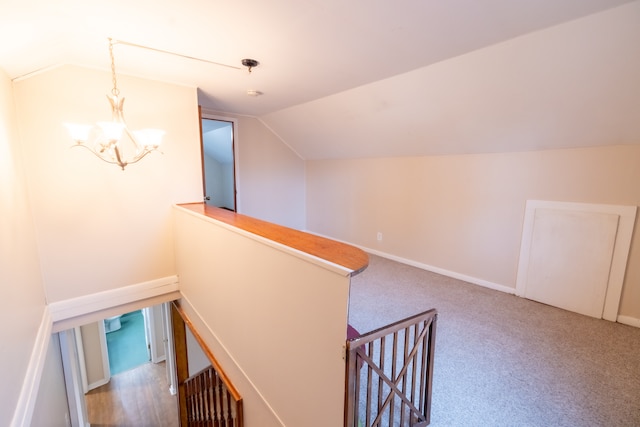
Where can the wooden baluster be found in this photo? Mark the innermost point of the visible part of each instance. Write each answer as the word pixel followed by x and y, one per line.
pixel 229 411
pixel 216 401
pixel 205 396
pixel 226 409
pixel 212 398
pixel 205 399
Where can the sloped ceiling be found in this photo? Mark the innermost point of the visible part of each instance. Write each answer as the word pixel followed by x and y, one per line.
pixel 359 78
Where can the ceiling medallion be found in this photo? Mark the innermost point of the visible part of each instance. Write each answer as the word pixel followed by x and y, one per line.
pixel 250 63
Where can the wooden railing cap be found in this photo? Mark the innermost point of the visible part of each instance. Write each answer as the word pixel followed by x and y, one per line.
pixel 339 253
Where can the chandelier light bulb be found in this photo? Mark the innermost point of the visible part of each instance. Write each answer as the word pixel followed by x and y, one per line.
pixel 79 133
pixel 149 137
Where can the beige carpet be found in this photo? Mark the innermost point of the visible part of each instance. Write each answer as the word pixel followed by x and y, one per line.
pixel 502 360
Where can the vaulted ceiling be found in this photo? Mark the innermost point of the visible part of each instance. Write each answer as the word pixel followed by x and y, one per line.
pixel 338 78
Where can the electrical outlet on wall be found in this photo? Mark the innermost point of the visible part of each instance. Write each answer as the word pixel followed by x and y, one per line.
pixel 379 236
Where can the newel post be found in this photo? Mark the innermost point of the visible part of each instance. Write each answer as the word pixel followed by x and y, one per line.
pixel 182 364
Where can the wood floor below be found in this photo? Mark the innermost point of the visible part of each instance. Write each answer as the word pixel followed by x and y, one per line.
pixel 139 397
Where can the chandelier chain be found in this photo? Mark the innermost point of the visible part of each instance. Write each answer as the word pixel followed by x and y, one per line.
pixel 115 90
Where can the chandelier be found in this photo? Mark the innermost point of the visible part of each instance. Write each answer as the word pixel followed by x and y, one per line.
pixel 107 140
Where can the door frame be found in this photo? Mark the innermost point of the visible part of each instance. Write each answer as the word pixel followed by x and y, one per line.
pixel 234 149
pixel 74 366
pixel 152 324
pixel 72 378
pixel 104 351
pixel 169 348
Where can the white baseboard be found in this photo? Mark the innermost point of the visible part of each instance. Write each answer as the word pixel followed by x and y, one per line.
pixel 98 383
pixel 628 320
pixel 625 320
pixel 29 391
pixel 448 273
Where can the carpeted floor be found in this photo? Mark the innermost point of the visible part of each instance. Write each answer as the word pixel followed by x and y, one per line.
pixel 502 360
pixel 127 346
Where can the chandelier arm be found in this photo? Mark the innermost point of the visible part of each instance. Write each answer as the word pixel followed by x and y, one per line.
pixel 140 156
pixel 141 148
pixel 98 155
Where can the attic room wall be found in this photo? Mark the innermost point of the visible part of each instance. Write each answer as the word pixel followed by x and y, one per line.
pixel 464 213
pixel 571 85
pixel 270 176
pixel 22 291
pixel 98 227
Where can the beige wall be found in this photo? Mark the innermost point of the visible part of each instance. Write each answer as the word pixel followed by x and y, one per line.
pixel 274 318
pixel 51 408
pixel 464 213
pixel 96 367
pixel 196 359
pixel 159 331
pixel 22 292
pixel 99 227
pixel 270 176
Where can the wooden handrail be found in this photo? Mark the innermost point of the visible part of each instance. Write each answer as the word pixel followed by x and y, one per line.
pixel 180 322
pixel 335 252
pixel 206 350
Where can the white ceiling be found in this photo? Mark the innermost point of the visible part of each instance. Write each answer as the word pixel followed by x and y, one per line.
pixel 308 50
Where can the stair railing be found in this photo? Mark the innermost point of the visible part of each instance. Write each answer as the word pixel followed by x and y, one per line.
pixel 390 374
pixel 207 398
pixel 209 401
